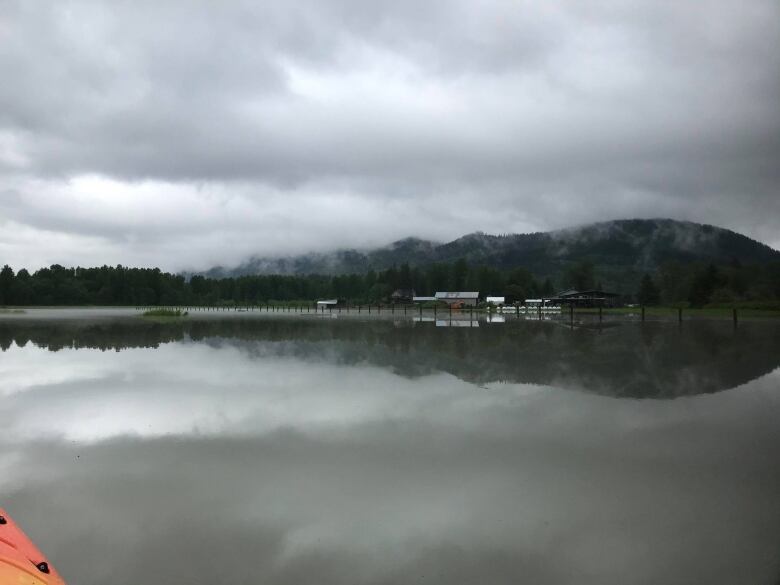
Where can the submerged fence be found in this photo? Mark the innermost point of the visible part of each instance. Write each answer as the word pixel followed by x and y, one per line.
pixel 378 309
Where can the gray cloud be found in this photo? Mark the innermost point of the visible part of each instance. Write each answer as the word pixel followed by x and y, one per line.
pixel 261 127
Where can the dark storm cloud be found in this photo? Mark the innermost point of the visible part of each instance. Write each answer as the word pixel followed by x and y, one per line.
pixel 375 115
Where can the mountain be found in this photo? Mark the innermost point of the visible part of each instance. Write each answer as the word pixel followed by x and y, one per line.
pixel 620 250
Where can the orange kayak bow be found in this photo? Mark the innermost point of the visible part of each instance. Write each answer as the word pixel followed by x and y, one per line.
pixel 21 563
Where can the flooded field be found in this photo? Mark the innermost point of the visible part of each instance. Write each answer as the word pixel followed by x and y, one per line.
pixel 294 449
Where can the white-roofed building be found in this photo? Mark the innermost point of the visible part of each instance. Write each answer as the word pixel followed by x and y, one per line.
pixel 460 299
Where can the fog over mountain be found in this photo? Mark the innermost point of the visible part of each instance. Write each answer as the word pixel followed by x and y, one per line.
pixel 617 248
pixel 188 134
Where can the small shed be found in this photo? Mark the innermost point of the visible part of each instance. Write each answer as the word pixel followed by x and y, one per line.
pixel 403 295
pixel 498 301
pixel 328 303
pixel 459 299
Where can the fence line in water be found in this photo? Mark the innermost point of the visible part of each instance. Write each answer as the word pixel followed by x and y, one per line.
pixel 540 313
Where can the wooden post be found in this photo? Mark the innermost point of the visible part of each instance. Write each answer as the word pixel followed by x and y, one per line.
pixel 517 310
pixel 369 308
pixel 735 316
pixel 420 307
pixel 600 311
pixel 643 313
pixel 434 311
pixel 571 312
pixel 539 309
pixel 679 314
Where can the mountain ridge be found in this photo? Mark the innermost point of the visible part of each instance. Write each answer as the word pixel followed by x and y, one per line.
pixel 619 250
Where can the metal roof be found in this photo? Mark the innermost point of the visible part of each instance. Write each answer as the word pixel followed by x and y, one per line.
pixel 457 295
pixel 587 293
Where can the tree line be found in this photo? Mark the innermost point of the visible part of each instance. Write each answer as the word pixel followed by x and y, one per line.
pixel 672 283
pixel 699 285
pixel 120 285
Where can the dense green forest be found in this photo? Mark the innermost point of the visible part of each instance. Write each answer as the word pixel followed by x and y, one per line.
pixel 673 283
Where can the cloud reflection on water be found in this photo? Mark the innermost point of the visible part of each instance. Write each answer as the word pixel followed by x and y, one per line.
pixel 281 462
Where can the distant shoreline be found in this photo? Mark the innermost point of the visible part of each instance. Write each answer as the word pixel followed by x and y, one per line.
pixel 25 313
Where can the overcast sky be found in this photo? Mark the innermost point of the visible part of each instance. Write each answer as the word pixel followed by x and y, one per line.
pixel 185 134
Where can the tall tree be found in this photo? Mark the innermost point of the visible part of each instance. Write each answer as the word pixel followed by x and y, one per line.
pixel 6 284
pixel 460 271
pixel 580 276
pixel 704 284
pixel 648 294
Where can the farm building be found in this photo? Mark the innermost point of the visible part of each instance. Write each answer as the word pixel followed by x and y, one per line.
pixel 585 298
pixel 458 299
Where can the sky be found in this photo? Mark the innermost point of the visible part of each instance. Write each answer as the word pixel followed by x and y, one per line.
pixel 186 134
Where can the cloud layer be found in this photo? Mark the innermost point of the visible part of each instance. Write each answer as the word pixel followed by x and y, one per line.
pixel 185 134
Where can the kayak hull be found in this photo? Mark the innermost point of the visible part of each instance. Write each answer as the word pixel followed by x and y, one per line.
pixel 21 562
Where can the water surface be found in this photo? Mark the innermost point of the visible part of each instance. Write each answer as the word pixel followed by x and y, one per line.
pixel 294 449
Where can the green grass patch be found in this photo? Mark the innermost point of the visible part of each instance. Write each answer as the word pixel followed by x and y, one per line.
pixel 6 311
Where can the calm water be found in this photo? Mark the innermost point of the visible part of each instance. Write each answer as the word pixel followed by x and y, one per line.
pixel 304 450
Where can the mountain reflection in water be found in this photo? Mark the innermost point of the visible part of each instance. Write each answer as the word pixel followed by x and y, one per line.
pixel 650 360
